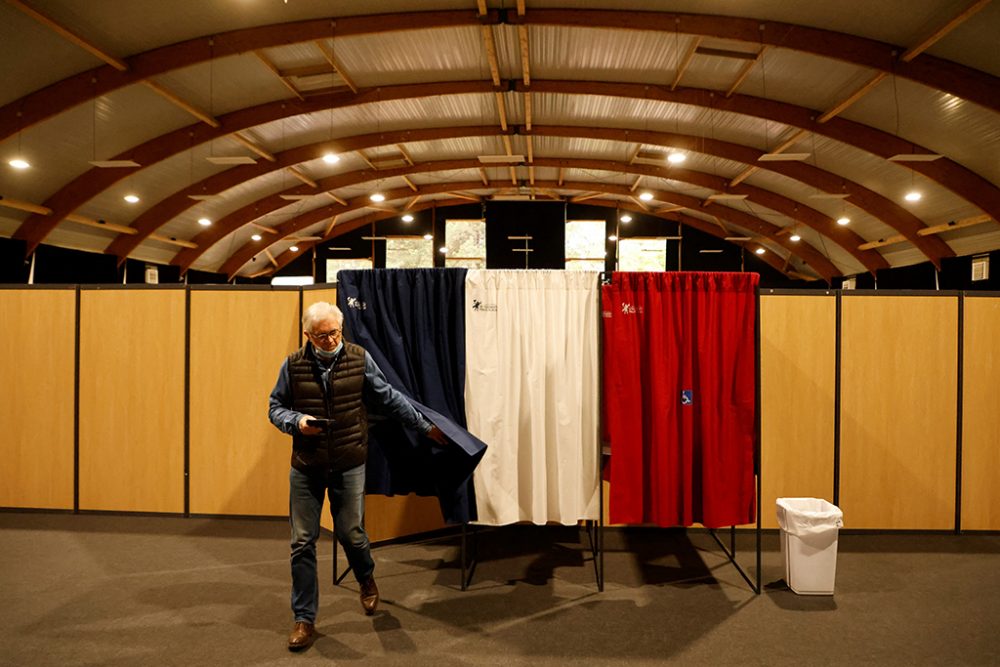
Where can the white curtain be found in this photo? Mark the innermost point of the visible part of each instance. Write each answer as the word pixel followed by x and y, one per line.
pixel 531 393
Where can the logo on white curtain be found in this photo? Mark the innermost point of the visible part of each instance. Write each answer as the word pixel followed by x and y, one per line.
pixel 353 302
pixel 479 306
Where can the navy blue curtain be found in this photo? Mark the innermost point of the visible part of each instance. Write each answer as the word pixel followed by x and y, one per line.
pixel 412 322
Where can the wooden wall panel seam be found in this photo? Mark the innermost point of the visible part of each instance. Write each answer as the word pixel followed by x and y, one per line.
pixel 187 402
pixel 76 404
pixel 837 362
pixel 959 412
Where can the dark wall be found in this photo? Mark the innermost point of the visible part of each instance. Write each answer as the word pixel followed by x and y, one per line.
pixel 60 266
pixel 543 221
pixel 955 274
pixel 13 265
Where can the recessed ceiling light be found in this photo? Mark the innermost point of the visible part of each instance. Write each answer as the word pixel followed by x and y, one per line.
pixel 294 248
pixel 913 196
pixel 759 251
pixel 18 163
pixel 256 237
pixel 428 237
pixel 407 218
pixel 612 238
pixel 626 218
pixel 676 158
pixel 204 222
pixel 131 199
pixel 795 238
pixel 646 196
pixel 331 158
pixel 443 250
pixel 377 197
pixel 843 221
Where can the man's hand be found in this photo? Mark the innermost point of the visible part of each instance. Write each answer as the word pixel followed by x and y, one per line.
pixel 437 435
pixel 308 430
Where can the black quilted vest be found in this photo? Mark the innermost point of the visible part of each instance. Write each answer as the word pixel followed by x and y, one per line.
pixel 345 444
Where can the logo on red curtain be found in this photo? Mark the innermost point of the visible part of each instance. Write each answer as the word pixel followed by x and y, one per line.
pixel 629 309
pixel 687 397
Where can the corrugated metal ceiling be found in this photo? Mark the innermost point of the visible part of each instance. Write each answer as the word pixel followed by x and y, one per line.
pixel 116 122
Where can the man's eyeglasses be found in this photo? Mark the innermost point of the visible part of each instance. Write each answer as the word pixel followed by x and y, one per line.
pixel 329 335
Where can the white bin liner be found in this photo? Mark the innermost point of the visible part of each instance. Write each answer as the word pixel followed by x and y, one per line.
pixel 807 517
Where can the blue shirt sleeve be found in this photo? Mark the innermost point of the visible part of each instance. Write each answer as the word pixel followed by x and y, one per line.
pixel 283 417
pixel 378 393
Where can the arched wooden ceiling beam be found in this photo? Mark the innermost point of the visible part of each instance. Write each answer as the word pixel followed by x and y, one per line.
pixel 172 206
pixel 91 183
pixel 880 207
pixel 838 234
pixel 79 88
pixel 286 257
pixel 962 181
pixel 94 181
pixel 770 258
pixel 945 75
pixel 261 207
pixel 938 73
pixel 241 256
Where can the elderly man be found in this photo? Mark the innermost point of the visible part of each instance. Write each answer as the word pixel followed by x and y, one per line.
pixel 321 400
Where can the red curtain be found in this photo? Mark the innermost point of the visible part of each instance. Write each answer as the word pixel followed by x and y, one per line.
pixel 680 397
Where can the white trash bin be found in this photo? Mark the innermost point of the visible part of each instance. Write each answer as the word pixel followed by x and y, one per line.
pixel 810 528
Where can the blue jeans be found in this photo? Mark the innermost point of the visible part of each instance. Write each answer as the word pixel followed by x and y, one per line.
pixel 346 490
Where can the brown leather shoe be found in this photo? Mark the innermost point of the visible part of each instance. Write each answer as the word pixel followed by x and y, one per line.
pixel 369 596
pixel 302 636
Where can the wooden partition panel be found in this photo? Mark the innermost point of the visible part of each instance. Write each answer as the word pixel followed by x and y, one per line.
pixel 36 397
pixel 239 461
pixel 898 411
pixel 389 517
pixel 981 415
pixel 132 399
pixel 314 294
pixel 798 396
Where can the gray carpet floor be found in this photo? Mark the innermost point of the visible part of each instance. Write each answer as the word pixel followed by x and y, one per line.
pixel 141 590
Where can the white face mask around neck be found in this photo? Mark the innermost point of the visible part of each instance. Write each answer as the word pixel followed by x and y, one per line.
pixel 327 356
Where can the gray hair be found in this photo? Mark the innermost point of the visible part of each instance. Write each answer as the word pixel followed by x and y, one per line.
pixel 320 311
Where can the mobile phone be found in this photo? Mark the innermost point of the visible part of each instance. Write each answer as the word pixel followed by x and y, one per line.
pixel 319 423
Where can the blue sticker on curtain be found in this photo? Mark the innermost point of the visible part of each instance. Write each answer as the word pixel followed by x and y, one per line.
pixel 412 322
